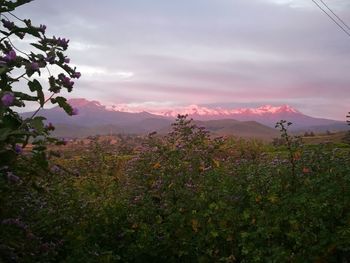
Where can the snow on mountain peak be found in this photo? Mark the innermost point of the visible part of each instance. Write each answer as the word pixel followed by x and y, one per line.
pixel 195 110
pixel 191 110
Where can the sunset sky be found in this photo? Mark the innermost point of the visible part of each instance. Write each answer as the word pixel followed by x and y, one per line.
pixel 228 53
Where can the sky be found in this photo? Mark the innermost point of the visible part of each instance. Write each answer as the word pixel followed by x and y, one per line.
pixel 215 53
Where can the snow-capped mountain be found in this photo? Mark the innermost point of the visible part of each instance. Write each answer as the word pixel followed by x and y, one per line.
pixel 266 114
pixel 95 117
pixel 208 113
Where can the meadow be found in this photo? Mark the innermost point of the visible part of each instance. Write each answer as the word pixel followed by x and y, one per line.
pixel 184 197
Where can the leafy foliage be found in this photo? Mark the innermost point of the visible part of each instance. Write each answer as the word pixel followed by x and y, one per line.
pixel 21 67
pixel 23 142
pixel 186 197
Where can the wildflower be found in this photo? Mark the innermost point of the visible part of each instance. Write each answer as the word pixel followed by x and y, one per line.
pixel 76 75
pixel 7 24
pixel 10 56
pixel 66 60
pixel 7 99
pixel 34 66
pixel 62 42
pixel 75 111
pixel 42 29
pixel 50 59
pixel 157 165
pixel 66 81
pixel 18 149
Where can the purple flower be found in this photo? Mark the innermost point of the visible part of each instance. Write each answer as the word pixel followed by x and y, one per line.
pixel 7 99
pixel 75 111
pixel 7 24
pixel 50 59
pixel 66 60
pixel 42 29
pixel 34 66
pixel 62 42
pixel 10 56
pixel 18 149
pixel 66 81
pixel 76 75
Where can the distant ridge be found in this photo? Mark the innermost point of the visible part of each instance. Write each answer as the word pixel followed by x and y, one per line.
pixel 266 114
pixel 95 118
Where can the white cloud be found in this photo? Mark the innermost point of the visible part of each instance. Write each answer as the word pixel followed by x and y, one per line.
pixel 80 46
pixel 335 4
pixel 103 73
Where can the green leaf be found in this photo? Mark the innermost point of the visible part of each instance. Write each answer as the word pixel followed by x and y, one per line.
pixel 7 156
pixel 24 96
pixel 36 86
pixel 3 70
pixel 4 133
pixel 11 121
pixel 38 123
pixel 62 102
pixel 41 47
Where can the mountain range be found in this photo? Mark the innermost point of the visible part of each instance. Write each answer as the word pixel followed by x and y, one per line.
pixel 95 118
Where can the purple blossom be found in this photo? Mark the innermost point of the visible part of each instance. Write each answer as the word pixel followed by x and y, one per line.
pixel 10 56
pixel 62 42
pixel 76 75
pixel 18 149
pixel 7 24
pixel 42 29
pixel 7 99
pixel 50 59
pixel 66 60
pixel 75 111
pixel 66 81
pixel 34 66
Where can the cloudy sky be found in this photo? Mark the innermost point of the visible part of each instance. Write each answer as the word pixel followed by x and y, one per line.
pixel 229 53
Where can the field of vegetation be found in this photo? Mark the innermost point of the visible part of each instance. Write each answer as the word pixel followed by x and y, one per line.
pixel 184 197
